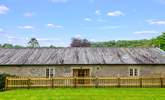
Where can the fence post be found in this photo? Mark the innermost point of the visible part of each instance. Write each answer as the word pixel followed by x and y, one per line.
pixel 118 82
pixel 96 82
pixel 140 80
pixel 75 82
pixel 52 82
pixel 6 83
pixel 28 83
pixel 161 82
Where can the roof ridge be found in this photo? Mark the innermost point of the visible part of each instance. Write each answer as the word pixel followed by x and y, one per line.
pixel 81 47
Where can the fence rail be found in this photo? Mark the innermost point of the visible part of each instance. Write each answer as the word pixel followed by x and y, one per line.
pixel 30 82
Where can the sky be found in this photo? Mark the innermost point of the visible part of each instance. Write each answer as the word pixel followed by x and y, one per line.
pixel 56 22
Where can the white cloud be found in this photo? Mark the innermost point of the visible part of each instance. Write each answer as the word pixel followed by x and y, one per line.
pixel 146 32
pixel 59 1
pixel 26 27
pixel 98 12
pixel 156 22
pixel 88 19
pixel 115 13
pixel 3 9
pixel 54 26
pixel 29 14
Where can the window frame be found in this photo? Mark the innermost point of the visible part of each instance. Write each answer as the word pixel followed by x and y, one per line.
pixel 49 72
pixel 135 71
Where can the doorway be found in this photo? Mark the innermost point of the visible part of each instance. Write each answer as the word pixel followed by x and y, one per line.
pixel 81 73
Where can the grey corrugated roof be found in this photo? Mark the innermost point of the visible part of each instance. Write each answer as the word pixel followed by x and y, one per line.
pixel 49 56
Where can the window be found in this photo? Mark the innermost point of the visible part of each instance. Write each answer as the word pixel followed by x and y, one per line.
pixel 50 72
pixel 133 72
pixel 136 72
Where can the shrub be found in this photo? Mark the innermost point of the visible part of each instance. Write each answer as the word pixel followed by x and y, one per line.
pixel 2 81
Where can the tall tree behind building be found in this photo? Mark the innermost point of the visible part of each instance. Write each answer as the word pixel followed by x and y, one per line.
pixel 33 43
pixel 77 42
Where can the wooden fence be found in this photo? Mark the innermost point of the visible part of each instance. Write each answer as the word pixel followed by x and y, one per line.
pixel 24 82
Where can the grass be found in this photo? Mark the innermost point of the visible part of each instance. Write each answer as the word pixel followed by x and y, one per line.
pixel 85 94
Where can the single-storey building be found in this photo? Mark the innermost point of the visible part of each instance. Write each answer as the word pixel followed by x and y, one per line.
pixel 82 62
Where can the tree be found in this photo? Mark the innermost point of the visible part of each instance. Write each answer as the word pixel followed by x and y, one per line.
pixel 85 43
pixel 18 46
pixel 6 45
pixel 33 43
pixel 52 46
pixel 77 42
pixel 159 41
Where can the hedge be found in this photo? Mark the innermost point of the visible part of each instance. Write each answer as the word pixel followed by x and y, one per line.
pixel 2 81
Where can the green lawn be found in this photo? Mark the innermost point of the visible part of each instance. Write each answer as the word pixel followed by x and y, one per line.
pixel 85 94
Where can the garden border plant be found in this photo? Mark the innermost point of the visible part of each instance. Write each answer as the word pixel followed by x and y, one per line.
pixel 2 81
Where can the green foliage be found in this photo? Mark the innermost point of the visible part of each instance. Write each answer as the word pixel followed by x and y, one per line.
pixel 52 46
pixel 159 41
pixel 6 45
pixel 155 42
pixel 18 46
pixel 2 81
pixel 33 43
pixel 123 43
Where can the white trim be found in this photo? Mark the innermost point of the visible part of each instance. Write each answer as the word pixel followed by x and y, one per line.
pixel 54 71
pixel 138 71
